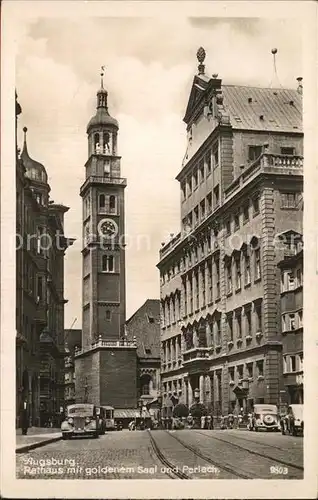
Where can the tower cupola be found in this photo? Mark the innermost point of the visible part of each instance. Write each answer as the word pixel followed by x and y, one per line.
pixel 35 171
pixel 102 117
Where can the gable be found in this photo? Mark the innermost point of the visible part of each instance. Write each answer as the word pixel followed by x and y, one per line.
pixel 199 86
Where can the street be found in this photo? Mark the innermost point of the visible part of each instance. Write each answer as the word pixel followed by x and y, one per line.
pixel 186 454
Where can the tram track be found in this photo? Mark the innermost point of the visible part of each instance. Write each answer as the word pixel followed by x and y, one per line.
pixel 181 475
pixel 175 472
pixel 253 452
pixel 222 466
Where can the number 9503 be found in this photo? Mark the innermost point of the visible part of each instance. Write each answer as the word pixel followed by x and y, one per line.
pixel 277 469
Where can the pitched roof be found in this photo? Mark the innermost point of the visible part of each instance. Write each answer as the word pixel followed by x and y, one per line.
pixel 281 108
pixel 144 324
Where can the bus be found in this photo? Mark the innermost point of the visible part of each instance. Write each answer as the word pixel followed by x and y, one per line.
pixel 109 418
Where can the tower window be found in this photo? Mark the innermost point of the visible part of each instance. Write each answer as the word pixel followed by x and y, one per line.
pixel 102 201
pixel 106 139
pixel 96 144
pixel 108 263
pixel 108 315
pixel 112 204
pixel 107 168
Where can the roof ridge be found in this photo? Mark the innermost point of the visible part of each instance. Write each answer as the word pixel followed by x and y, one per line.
pixel 259 87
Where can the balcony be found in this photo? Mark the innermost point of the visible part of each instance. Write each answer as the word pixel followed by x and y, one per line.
pixel 169 246
pixel 107 344
pixel 196 354
pixel 269 164
pixel 117 181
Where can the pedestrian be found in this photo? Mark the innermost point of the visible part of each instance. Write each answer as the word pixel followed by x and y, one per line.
pixel 202 422
pixel 24 421
pixel 208 422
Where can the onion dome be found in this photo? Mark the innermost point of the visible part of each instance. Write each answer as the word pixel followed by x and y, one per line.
pixel 34 170
pixel 102 116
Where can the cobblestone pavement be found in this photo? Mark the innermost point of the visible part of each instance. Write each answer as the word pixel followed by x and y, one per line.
pixel 129 455
pixel 262 455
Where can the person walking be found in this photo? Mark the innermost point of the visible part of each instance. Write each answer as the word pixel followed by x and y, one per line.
pixel 25 421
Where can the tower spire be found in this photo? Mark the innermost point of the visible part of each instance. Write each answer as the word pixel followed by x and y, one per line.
pixel 102 93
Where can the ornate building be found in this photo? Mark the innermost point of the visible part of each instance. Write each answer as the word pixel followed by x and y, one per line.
pixel 144 328
pixel 41 246
pixel 106 366
pixel 241 186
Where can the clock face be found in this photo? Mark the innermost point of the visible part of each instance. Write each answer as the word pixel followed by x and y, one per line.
pixel 107 228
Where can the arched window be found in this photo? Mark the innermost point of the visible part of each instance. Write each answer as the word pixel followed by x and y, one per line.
pixel 145 385
pixel 96 143
pixel 106 142
pixel 102 201
pixel 108 263
pixel 112 204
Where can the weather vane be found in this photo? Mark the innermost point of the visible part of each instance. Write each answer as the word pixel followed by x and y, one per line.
pixel 102 72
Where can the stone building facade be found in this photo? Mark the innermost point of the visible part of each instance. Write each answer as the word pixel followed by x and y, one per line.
pixel 144 328
pixel 291 308
pixel 241 187
pixel 40 250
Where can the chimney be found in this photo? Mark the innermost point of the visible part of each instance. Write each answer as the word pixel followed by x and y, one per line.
pixel 300 85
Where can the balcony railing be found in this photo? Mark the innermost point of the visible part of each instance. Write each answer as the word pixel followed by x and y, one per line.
pixel 93 179
pixel 268 163
pixel 170 245
pixel 113 344
pixel 195 354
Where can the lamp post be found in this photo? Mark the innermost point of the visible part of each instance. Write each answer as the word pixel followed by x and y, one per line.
pixel 159 398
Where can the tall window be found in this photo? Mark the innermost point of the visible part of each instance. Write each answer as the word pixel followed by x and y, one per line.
pixel 108 263
pixel 195 179
pixel 217 276
pixel 257 256
pixel 201 170
pixel 216 195
pixel 209 203
pixel 191 295
pixel 248 322
pixel 247 268
pixel 246 214
pixel 210 288
pixel 183 190
pixel 197 290
pixel 102 201
pixel 112 204
pixel 108 315
pixel 255 203
pixel 258 314
pixel 39 288
pixel 215 155
pixel 230 326
pixel 228 272
pixel 202 209
pixel 203 286
pixel 236 221
pixel 260 368
pixel 196 215
pixel 238 280
pixel 208 163
pixel 238 315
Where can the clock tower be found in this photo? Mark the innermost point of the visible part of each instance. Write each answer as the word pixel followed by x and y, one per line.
pixel 103 230
pixel 105 367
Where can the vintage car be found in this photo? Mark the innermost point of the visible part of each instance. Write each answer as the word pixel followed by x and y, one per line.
pixel 264 417
pixel 81 420
pixel 293 422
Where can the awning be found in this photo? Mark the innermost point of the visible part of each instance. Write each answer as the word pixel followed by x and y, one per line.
pixel 131 413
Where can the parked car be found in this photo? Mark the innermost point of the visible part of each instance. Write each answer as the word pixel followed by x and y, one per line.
pixel 81 420
pixel 293 422
pixel 264 417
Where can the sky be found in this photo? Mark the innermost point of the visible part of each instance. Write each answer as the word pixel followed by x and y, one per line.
pixel 150 64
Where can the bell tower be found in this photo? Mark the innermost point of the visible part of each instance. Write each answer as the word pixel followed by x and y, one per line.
pixel 106 365
pixel 103 230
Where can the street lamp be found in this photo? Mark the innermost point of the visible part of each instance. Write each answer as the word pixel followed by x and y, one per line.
pixel 159 399
pixel 196 395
